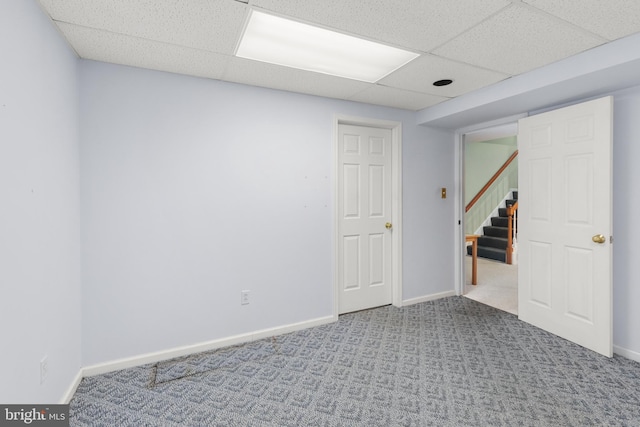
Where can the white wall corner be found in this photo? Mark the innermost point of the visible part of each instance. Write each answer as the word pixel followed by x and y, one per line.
pixel 66 398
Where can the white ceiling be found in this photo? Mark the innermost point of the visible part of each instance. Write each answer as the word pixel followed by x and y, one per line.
pixel 474 42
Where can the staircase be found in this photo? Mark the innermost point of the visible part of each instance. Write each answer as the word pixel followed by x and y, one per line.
pixel 493 243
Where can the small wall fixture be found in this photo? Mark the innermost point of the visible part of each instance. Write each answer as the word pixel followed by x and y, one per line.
pixel 443 82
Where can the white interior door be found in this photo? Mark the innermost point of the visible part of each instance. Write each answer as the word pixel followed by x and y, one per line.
pixel 565 276
pixel 364 217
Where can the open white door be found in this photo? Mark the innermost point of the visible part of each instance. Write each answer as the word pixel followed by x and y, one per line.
pixel 565 223
pixel 365 217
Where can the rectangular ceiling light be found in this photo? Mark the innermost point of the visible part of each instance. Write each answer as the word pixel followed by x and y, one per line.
pixel 280 41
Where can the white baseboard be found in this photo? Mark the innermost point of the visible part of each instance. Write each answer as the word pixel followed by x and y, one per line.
pixel 143 359
pixel 72 388
pixel 626 353
pixel 428 298
pixel 159 356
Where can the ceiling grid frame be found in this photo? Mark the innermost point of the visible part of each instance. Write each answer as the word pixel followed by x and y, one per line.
pixel 199 38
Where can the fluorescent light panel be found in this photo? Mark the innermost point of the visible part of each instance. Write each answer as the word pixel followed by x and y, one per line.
pixel 280 41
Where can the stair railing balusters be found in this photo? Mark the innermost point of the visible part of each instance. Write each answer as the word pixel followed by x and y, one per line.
pixel 512 212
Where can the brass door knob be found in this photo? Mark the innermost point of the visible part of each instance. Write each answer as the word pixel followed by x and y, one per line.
pixel 599 238
pixel 388 225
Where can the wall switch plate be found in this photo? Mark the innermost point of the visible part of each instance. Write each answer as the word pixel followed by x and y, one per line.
pixel 443 193
pixel 44 369
pixel 244 297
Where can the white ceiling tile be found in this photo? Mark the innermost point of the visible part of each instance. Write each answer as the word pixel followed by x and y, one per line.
pixel 517 40
pixel 474 42
pixel 420 74
pixel 611 19
pixel 398 98
pixel 213 25
pixel 415 24
pixel 104 46
pixel 257 73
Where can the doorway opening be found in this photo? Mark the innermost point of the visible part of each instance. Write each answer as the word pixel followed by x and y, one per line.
pixel 490 187
pixel 565 258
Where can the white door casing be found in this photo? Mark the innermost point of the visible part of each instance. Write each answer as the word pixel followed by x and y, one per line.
pixel 501 128
pixel 565 198
pixel 365 248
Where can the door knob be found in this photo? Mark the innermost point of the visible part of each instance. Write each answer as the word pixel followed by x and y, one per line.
pixel 599 238
pixel 388 225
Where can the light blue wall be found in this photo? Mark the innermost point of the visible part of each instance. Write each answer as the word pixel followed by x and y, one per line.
pixel 193 190
pixel 626 205
pixel 39 211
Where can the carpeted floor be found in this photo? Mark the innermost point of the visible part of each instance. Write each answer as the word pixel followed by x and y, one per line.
pixel 450 362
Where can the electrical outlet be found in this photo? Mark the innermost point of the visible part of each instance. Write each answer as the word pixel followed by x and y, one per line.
pixel 44 369
pixel 244 297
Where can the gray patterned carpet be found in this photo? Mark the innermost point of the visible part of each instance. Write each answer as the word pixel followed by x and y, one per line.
pixel 451 362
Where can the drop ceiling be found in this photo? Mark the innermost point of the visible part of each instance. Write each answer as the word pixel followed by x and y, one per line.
pixel 475 43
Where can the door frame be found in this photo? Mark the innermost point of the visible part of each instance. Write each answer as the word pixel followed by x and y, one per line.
pixel 396 202
pixel 482 131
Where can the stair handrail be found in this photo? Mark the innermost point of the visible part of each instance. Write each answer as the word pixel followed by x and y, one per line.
pixel 491 181
pixel 512 218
